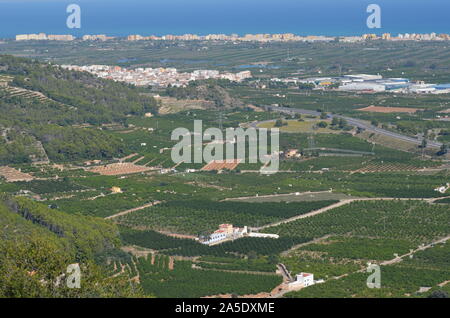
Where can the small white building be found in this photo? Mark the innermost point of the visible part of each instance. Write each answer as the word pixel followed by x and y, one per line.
pixel 443 189
pixel 302 280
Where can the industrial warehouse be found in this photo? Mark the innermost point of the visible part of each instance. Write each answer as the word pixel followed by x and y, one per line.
pixel 366 83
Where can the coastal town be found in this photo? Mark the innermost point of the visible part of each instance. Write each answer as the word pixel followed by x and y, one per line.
pixel 287 37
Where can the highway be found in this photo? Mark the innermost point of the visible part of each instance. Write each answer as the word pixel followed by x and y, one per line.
pixel 355 122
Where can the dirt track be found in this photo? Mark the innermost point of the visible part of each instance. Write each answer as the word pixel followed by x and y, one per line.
pixel 148 205
pixel 339 204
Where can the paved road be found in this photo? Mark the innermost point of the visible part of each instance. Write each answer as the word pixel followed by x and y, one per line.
pixel 354 122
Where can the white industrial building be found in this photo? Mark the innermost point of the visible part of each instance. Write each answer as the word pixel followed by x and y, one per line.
pixel 422 89
pixel 363 86
pixel 363 77
pixel 374 83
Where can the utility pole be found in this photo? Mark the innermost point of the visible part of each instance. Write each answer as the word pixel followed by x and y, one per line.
pixel 221 121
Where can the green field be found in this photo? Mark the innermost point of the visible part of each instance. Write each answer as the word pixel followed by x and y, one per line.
pixel 184 281
pixel 197 217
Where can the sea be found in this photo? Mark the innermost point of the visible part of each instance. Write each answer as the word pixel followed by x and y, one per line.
pixel 160 17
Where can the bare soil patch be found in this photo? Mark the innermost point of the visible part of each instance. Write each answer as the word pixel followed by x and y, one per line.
pixel 117 169
pixel 221 165
pixel 14 175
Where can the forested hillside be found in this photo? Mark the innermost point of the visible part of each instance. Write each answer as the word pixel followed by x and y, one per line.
pixel 95 100
pixel 42 101
pixel 37 244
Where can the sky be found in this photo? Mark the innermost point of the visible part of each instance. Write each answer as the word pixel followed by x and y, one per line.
pixel 122 17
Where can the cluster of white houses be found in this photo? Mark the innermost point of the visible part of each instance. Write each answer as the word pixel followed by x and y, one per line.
pixel 159 77
pixel 227 232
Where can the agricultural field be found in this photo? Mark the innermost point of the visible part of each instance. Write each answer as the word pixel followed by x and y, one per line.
pixel 119 169
pixel 221 165
pixel 92 195
pixel 360 248
pixel 383 219
pixel 198 217
pixel 415 276
pixel 387 58
pixel 186 281
pixel 186 247
pixel 296 197
pixel 13 175
pixel 348 197
pixel 370 238
pixel 371 231
pixel 259 264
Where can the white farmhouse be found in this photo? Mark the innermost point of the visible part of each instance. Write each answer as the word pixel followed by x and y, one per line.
pixel 302 280
pixel 225 232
